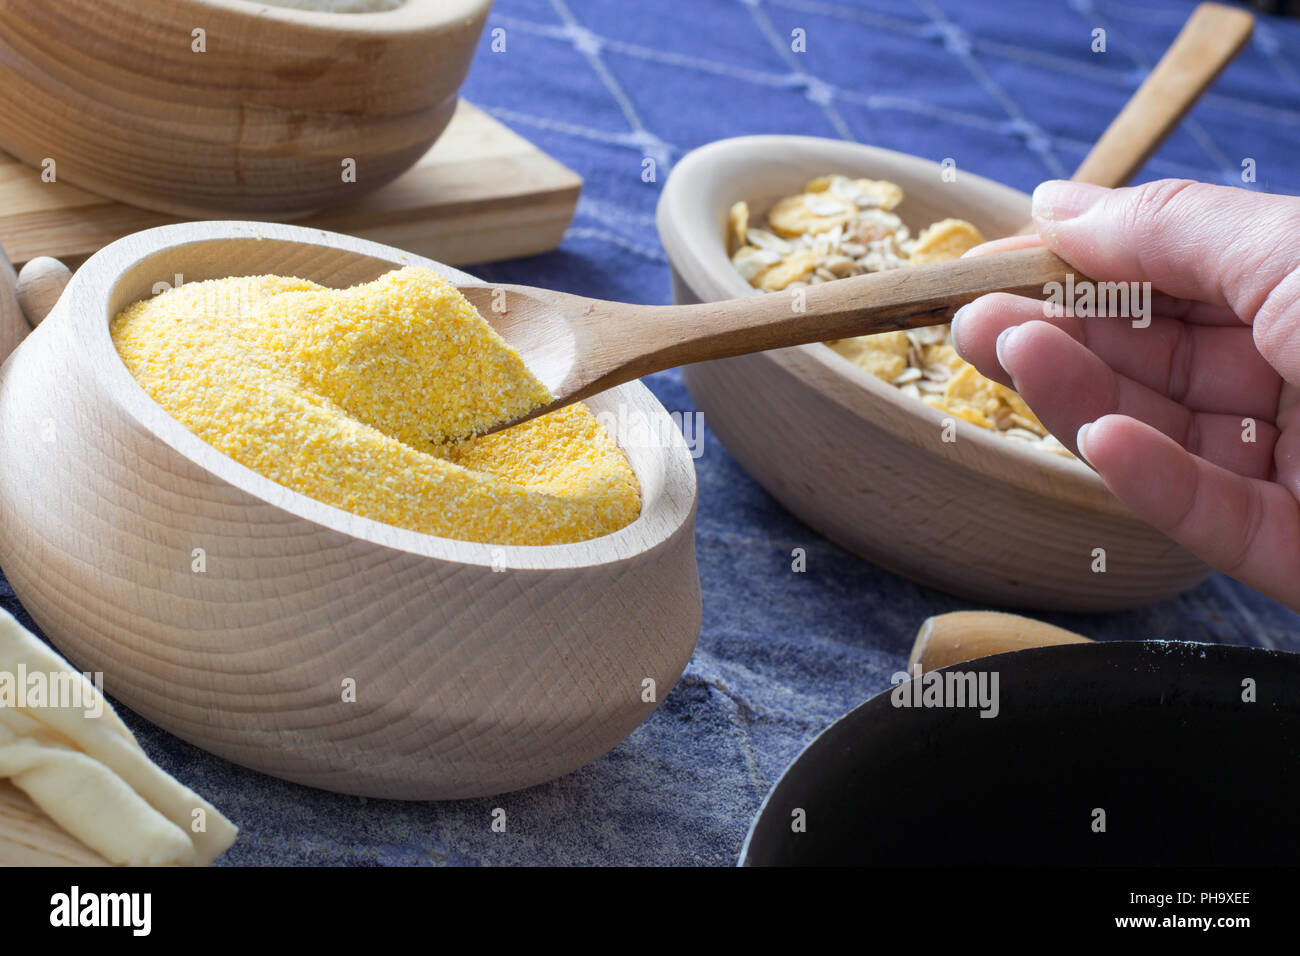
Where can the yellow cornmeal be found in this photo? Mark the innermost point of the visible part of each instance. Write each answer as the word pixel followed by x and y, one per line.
pixel 363 399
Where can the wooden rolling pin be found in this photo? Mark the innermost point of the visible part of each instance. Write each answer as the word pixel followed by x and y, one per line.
pixel 40 283
pixel 27 297
pixel 964 635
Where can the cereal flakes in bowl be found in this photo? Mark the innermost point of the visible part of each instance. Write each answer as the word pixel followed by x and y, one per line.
pixel 838 227
pixel 954 484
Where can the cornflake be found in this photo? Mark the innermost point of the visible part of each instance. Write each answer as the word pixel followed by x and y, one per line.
pixel 840 227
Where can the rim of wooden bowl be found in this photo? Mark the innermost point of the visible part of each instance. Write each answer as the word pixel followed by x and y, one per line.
pixel 691 219
pixel 103 286
pixel 411 15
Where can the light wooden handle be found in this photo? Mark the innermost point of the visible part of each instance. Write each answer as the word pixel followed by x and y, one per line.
pixel 861 305
pixel 653 338
pixel 911 298
pixel 1209 40
pixel 40 283
pixel 965 635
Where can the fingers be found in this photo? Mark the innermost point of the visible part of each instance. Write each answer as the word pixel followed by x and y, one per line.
pixel 1245 527
pixel 1192 240
pixel 1286 455
pixel 1211 244
pixel 1208 368
pixel 1068 386
pixel 1194 313
pixel 1287 404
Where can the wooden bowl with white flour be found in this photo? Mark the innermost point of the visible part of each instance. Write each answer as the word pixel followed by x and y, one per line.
pixel 207 108
pixel 983 517
pixel 477 668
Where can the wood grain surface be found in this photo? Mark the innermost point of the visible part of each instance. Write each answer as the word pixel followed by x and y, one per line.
pixel 469 680
pixel 13 323
pixel 481 193
pixel 30 838
pixel 40 283
pixel 219 109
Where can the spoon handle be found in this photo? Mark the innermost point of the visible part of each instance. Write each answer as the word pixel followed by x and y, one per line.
pixel 655 338
pixel 1212 36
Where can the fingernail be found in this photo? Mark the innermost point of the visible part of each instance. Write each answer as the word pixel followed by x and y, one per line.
pixel 1004 338
pixel 1081 440
pixel 954 330
pixel 1059 199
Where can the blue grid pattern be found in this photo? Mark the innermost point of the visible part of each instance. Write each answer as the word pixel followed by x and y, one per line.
pixel 1011 91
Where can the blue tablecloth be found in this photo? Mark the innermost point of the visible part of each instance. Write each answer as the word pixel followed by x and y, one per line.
pixel 1012 91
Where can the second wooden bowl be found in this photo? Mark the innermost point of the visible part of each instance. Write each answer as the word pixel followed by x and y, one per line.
pixel 208 108
pixel 310 643
pixel 982 517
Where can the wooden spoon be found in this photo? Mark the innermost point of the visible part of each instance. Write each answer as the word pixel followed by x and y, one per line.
pixel 578 346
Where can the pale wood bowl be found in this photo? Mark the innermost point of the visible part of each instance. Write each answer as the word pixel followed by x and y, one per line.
pixel 259 124
pixel 984 517
pixel 469 681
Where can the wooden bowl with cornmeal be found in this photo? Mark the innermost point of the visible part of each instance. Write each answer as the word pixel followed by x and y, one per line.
pixel 222 501
pixel 917 489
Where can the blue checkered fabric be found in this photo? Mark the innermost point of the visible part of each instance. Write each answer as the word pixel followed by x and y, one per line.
pixel 1011 90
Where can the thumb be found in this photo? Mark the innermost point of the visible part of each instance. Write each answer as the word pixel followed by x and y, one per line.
pixel 1216 244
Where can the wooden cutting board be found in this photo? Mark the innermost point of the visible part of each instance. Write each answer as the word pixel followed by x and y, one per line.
pixel 29 838
pixel 481 193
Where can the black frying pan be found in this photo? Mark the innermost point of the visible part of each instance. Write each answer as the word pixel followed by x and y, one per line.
pixel 1156 734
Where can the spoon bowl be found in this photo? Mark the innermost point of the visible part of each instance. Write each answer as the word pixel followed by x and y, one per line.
pixel 536 325
pixel 243 616
pixel 580 347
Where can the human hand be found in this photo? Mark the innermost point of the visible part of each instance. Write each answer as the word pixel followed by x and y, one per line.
pixel 1164 413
